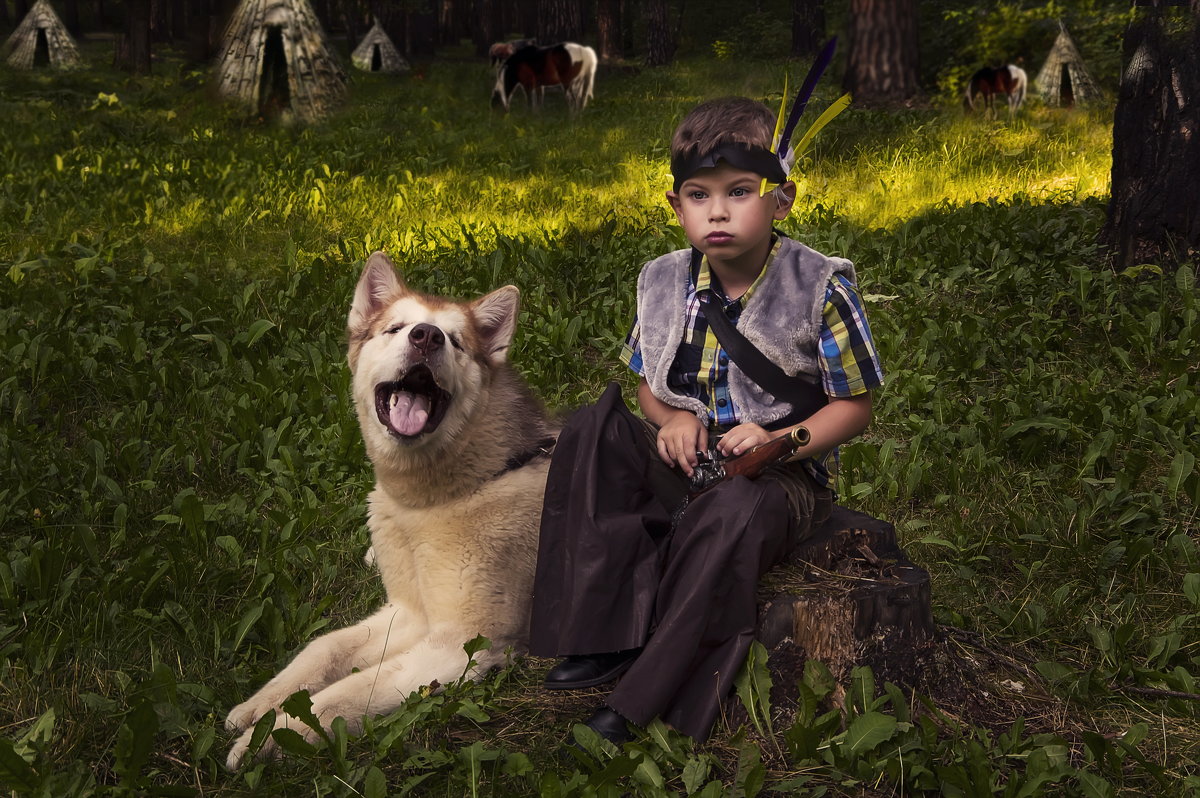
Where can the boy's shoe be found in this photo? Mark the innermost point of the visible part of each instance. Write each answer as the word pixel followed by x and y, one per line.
pixel 588 670
pixel 610 725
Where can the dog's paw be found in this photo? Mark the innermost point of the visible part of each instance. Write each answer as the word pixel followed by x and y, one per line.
pixel 241 747
pixel 246 714
pixel 369 557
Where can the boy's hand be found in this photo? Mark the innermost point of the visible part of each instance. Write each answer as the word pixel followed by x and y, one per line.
pixel 742 439
pixel 680 438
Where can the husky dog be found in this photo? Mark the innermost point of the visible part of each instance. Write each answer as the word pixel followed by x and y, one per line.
pixel 459 447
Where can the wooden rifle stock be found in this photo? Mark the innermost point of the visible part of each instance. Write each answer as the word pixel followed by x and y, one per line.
pixel 750 464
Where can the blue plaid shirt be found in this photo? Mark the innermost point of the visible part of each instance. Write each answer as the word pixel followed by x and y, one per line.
pixel 848 361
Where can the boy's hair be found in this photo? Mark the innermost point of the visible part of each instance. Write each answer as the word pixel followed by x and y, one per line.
pixel 728 120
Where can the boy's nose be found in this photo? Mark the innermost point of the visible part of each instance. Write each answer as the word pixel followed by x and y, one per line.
pixel 717 211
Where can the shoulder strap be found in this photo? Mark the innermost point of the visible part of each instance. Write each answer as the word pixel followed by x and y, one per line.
pixel 803 392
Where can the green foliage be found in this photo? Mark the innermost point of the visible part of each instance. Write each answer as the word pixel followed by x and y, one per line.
pixel 182 482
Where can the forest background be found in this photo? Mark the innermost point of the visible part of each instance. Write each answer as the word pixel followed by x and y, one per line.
pixel 182 482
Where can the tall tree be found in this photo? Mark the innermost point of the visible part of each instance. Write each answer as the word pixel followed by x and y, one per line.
pixel 608 29
pixel 660 48
pixel 559 20
pixel 882 67
pixel 487 28
pixel 4 19
pixel 1154 212
pixel 133 46
pixel 808 26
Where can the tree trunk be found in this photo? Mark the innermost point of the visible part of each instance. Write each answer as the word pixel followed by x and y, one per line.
pixel 133 48
pixel 5 21
pixel 846 584
pixel 808 26
pixel 608 30
pixel 882 66
pixel 1154 212
pixel 160 25
pixel 486 29
pixel 559 21
pixel 659 47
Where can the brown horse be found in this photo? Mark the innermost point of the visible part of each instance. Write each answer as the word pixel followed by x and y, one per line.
pixel 988 82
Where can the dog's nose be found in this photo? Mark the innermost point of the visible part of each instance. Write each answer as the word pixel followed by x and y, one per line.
pixel 427 338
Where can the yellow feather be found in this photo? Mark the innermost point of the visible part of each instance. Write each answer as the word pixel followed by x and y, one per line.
pixel 779 118
pixel 839 105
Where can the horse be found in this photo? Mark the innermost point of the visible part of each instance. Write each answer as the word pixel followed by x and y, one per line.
pixel 1008 80
pixel 567 64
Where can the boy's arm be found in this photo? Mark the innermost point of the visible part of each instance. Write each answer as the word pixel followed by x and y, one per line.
pixel 832 425
pixel 680 433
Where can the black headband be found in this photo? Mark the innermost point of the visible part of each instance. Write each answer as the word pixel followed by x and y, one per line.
pixel 752 158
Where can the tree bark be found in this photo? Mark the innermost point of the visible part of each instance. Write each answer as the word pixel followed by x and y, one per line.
pixel 882 66
pixel 559 21
pixel 133 48
pixel 808 26
pixel 486 29
pixel 660 50
pixel 1154 212
pixel 608 29
pixel 5 21
pixel 845 584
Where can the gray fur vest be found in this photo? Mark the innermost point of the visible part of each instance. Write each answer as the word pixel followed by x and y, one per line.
pixel 782 319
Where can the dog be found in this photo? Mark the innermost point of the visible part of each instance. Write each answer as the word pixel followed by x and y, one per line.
pixel 460 448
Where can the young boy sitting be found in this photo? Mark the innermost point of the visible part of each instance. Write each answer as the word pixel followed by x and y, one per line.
pixel 625 584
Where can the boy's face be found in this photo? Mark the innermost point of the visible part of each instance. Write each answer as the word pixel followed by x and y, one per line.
pixel 723 215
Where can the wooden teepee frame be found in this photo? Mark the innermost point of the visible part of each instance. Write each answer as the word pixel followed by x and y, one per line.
pixel 41 21
pixel 266 36
pixel 377 53
pixel 1065 61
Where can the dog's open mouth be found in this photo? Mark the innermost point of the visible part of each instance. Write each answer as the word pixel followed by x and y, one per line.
pixel 413 405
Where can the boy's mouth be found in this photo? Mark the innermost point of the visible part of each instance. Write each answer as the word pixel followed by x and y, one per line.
pixel 719 237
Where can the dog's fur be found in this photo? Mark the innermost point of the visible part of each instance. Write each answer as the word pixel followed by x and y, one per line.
pixel 455 510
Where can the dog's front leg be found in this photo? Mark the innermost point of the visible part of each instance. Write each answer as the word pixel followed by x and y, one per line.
pixel 329 659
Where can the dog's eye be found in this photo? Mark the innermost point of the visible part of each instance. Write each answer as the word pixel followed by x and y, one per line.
pixel 457 344
pixel 395 328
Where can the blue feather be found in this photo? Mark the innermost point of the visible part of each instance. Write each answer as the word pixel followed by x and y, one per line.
pixel 806 90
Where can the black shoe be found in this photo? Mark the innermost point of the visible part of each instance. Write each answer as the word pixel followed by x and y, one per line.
pixel 609 724
pixel 589 670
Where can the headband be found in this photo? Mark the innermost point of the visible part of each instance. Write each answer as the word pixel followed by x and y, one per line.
pixel 773 165
pixel 749 157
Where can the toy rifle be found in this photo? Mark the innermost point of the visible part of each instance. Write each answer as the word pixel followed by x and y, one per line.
pixel 712 472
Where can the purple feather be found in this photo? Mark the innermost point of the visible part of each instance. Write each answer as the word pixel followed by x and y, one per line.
pixel 806 90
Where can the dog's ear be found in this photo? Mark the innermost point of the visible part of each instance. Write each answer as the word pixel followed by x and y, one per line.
pixel 378 283
pixel 496 319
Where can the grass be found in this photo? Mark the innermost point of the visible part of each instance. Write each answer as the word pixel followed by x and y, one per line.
pixel 182 489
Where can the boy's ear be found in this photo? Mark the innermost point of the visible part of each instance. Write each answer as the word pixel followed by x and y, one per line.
pixel 784 206
pixel 673 201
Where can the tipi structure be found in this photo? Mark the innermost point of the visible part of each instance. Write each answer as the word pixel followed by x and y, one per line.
pixel 1064 80
pixel 276 60
pixel 377 53
pixel 42 40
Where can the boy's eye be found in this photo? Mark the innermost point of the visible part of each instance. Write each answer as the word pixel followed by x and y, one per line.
pixel 697 195
pixel 739 192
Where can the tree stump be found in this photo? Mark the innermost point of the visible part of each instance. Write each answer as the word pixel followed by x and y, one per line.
pixel 847 584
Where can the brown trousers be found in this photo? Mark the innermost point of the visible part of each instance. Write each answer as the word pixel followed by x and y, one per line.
pixel 615 573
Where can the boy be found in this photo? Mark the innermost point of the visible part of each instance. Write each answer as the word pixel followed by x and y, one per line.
pixel 622 587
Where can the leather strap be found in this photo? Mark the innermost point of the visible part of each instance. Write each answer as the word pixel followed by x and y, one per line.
pixel 802 391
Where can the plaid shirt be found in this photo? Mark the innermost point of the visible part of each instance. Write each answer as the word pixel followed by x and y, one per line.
pixel 846 354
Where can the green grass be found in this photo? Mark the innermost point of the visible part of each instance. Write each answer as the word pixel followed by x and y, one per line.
pixel 182 484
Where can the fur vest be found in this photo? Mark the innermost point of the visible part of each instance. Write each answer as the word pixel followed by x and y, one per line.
pixel 783 318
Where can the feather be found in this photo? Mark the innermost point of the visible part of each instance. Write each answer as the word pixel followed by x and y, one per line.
pixel 779 118
pixel 839 105
pixel 806 90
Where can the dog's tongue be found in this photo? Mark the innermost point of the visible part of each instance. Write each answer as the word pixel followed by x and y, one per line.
pixel 408 413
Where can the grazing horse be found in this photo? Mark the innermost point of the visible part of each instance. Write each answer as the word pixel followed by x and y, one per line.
pixel 567 64
pixel 1007 80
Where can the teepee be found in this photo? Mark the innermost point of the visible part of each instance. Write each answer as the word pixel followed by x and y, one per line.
pixel 376 53
pixel 42 40
pixel 1064 80
pixel 275 59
